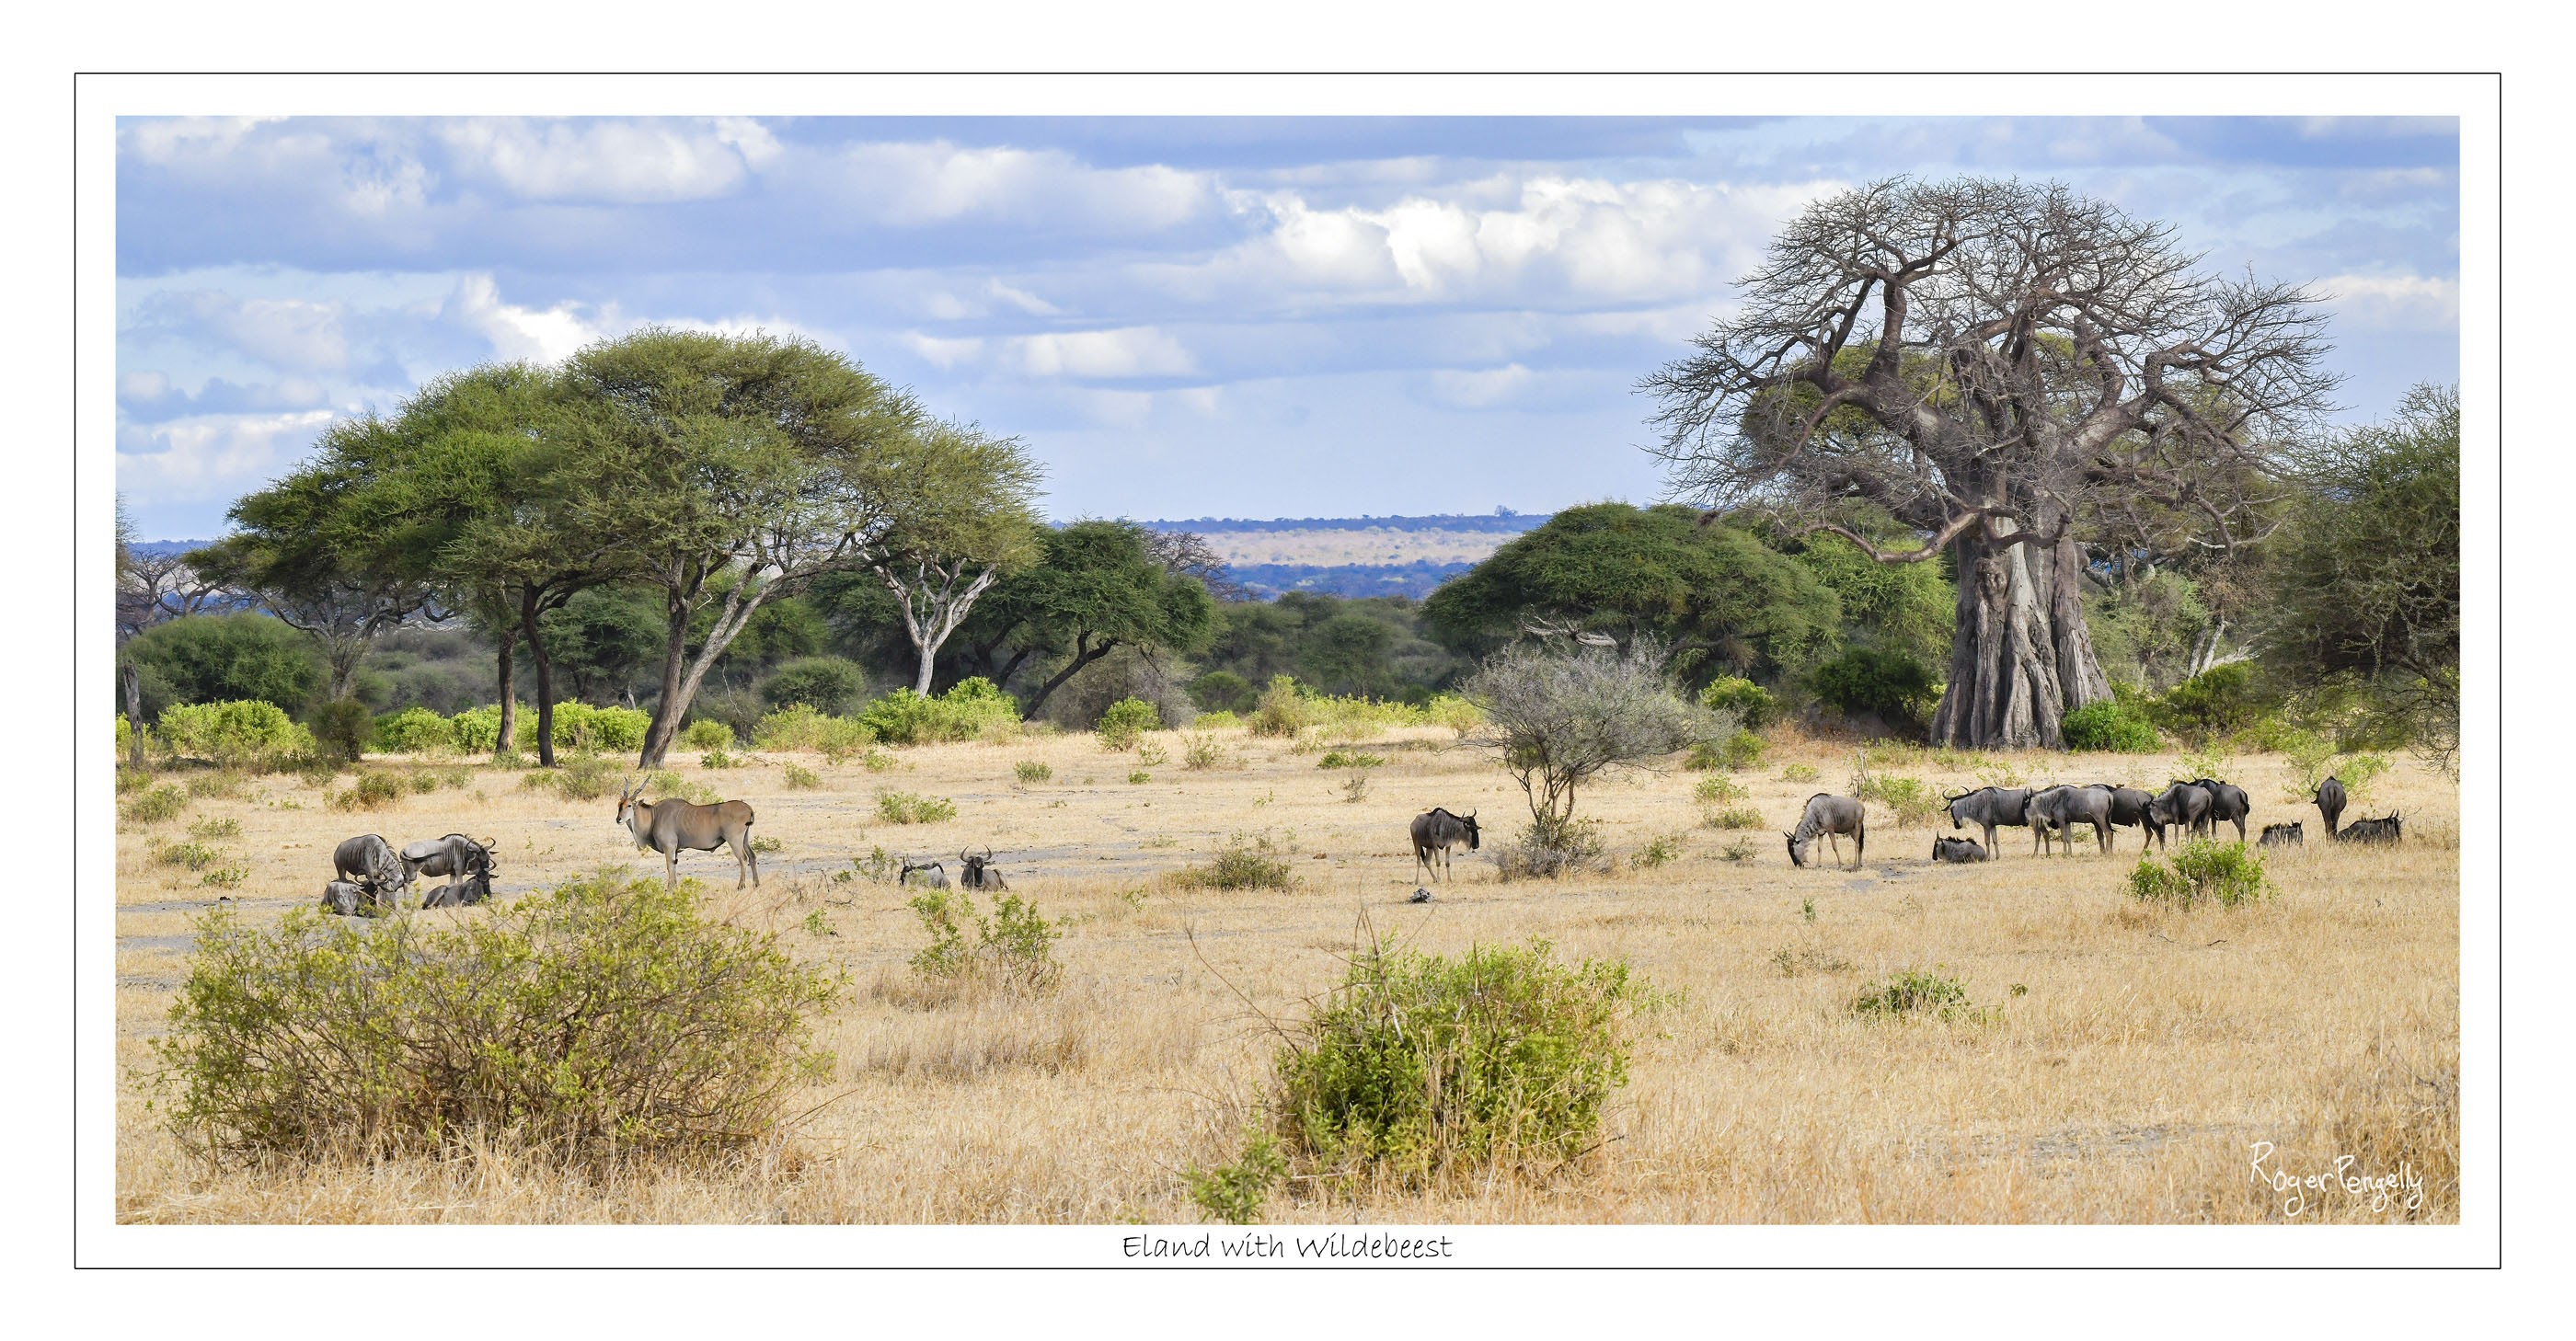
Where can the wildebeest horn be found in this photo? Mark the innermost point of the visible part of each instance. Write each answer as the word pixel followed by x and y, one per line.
pixel 1953 796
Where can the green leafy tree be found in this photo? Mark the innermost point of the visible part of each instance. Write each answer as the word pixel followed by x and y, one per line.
pixel 1096 586
pixel 2366 570
pixel 220 659
pixel 1715 594
pixel 965 519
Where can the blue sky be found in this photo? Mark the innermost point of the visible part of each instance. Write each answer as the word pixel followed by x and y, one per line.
pixel 1291 316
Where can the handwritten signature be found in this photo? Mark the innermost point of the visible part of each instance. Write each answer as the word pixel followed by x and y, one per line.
pixel 2298 1191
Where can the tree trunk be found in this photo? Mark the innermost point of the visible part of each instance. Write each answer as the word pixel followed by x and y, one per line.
pixel 132 679
pixel 1081 657
pixel 509 693
pixel 2022 657
pixel 666 714
pixel 528 613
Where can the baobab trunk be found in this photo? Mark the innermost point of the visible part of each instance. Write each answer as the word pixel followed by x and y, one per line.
pixel 2022 657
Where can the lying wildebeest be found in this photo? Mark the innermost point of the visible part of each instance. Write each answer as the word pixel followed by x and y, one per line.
pixel 466 864
pixel 2059 809
pixel 371 861
pixel 2372 831
pixel 929 874
pixel 673 827
pixel 1958 849
pixel 1435 831
pixel 2292 834
pixel 980 872
pixel 2227 803
pixel 1989 807
pixel 2329 801
pixel 349 900
pixel 1828 815
pixel 2128 809
pixel 2181 804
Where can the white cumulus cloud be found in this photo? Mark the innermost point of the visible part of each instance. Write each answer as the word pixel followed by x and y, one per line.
pixel 2394 302
pixel 544 335
pixel 1133 351
pixel 614 161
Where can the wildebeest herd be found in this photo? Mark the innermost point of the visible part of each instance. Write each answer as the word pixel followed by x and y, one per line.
pixel 2050 813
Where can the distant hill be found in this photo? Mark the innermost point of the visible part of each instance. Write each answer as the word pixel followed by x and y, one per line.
pixel 1505 523
pixel 1354 556
pixel 156 548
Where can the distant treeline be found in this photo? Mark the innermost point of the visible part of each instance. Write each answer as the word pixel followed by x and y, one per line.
pixel 1498 523
pixel 1269 581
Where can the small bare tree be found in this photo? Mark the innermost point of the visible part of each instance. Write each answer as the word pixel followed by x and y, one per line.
pixel 1995 364
pixel 1559 717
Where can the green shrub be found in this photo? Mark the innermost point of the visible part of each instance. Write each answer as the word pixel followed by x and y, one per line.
pixel 970 709
pixel 587 777
pixel 1425 1067
pixel 194 856
pixel 906 808
pixel 2109 726
pixel 1012 949
pixel 1752 704
pixel 132 779
pixel 1349 759
pixel 1139 777
pixel 213 827
pixel 1201 751
pixel 801 726
pixel 158 804
pixel 342 730
pixel 1033 771
pixel 706 733
pixel 1896 687
pixel 1912 800
pixel 1734 817
pixel 1126 722
pixel 832 685
pixel 580 726
pixel 1741 750
pixel 1738 850
pixel 1222 691
pixel 478 730
pixel 1454 713
pixel 1800 773
pixel 310 1036
pixel 1211 721
pixel 416 730
pixel 222 658
pixel 374 790
pixel 716 759
pixel 1916 992
pixel 2202 868
pixel 1282 711
pixel 225 877
pixel 803 779
pixel 1247 861
pixel 1233 1193
pixel 1718 791
pixel 670 784
pixel 240 734
pixel 2218 700
pixel 1660 851
pixel 1552 846
pixel 223 782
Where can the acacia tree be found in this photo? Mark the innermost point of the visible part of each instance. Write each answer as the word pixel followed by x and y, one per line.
pixel 1097 586
pixel 1995 364
pixel 730 470
pixel 963 521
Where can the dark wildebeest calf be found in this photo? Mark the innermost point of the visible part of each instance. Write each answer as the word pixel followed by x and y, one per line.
pixel 466 864
pixel 1989 807
pixel 928 874
pixel 2059 809
pixel 1435 831
pixel 2329 801
pixel 2293 834
pixel 2228 803
pixel 349 900
pixel 2372 831
pixel 1957 850
pixel 980 872
pixel 2181 804
pixel 673 827
pixel 1829 815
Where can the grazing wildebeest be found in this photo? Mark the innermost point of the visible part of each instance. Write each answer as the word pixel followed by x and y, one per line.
pixel 1436 831
pixel 673 827
pixel 1829 815
pixel 1958 849
pixel 348 900
pixel 2128 808
pixel 371 861
pixel 2372 831
pixel 2227 802
pixel 980 873
pixel 466 864
pixel 929 874
pixel 2180 804
pixel 2059 809
pixel 1989 807
pixel 2292 834
pixel 2329 801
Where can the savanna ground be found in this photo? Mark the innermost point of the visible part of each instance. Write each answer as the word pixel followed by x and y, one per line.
pixel 2132 1058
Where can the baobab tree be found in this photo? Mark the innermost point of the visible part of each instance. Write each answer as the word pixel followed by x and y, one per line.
pixel 1998 365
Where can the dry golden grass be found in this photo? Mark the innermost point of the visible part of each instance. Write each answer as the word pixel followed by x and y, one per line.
pixel 2146 1054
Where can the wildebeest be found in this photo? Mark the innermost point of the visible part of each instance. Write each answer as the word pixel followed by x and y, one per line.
pixel 2181 804
pixel 1989 807
pixel 2329 801
pixel 980 873
pixel 1436 831
pixel 1958 849
pixel 930 874
pixel 2372 831
pixel 1828 815
pixel 2292 834
pixel 348 900
pixel 2227 802
pixel 673 827
pixel 2128 808
pixel 2059 809
pixel 466 864
pixel 371 861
